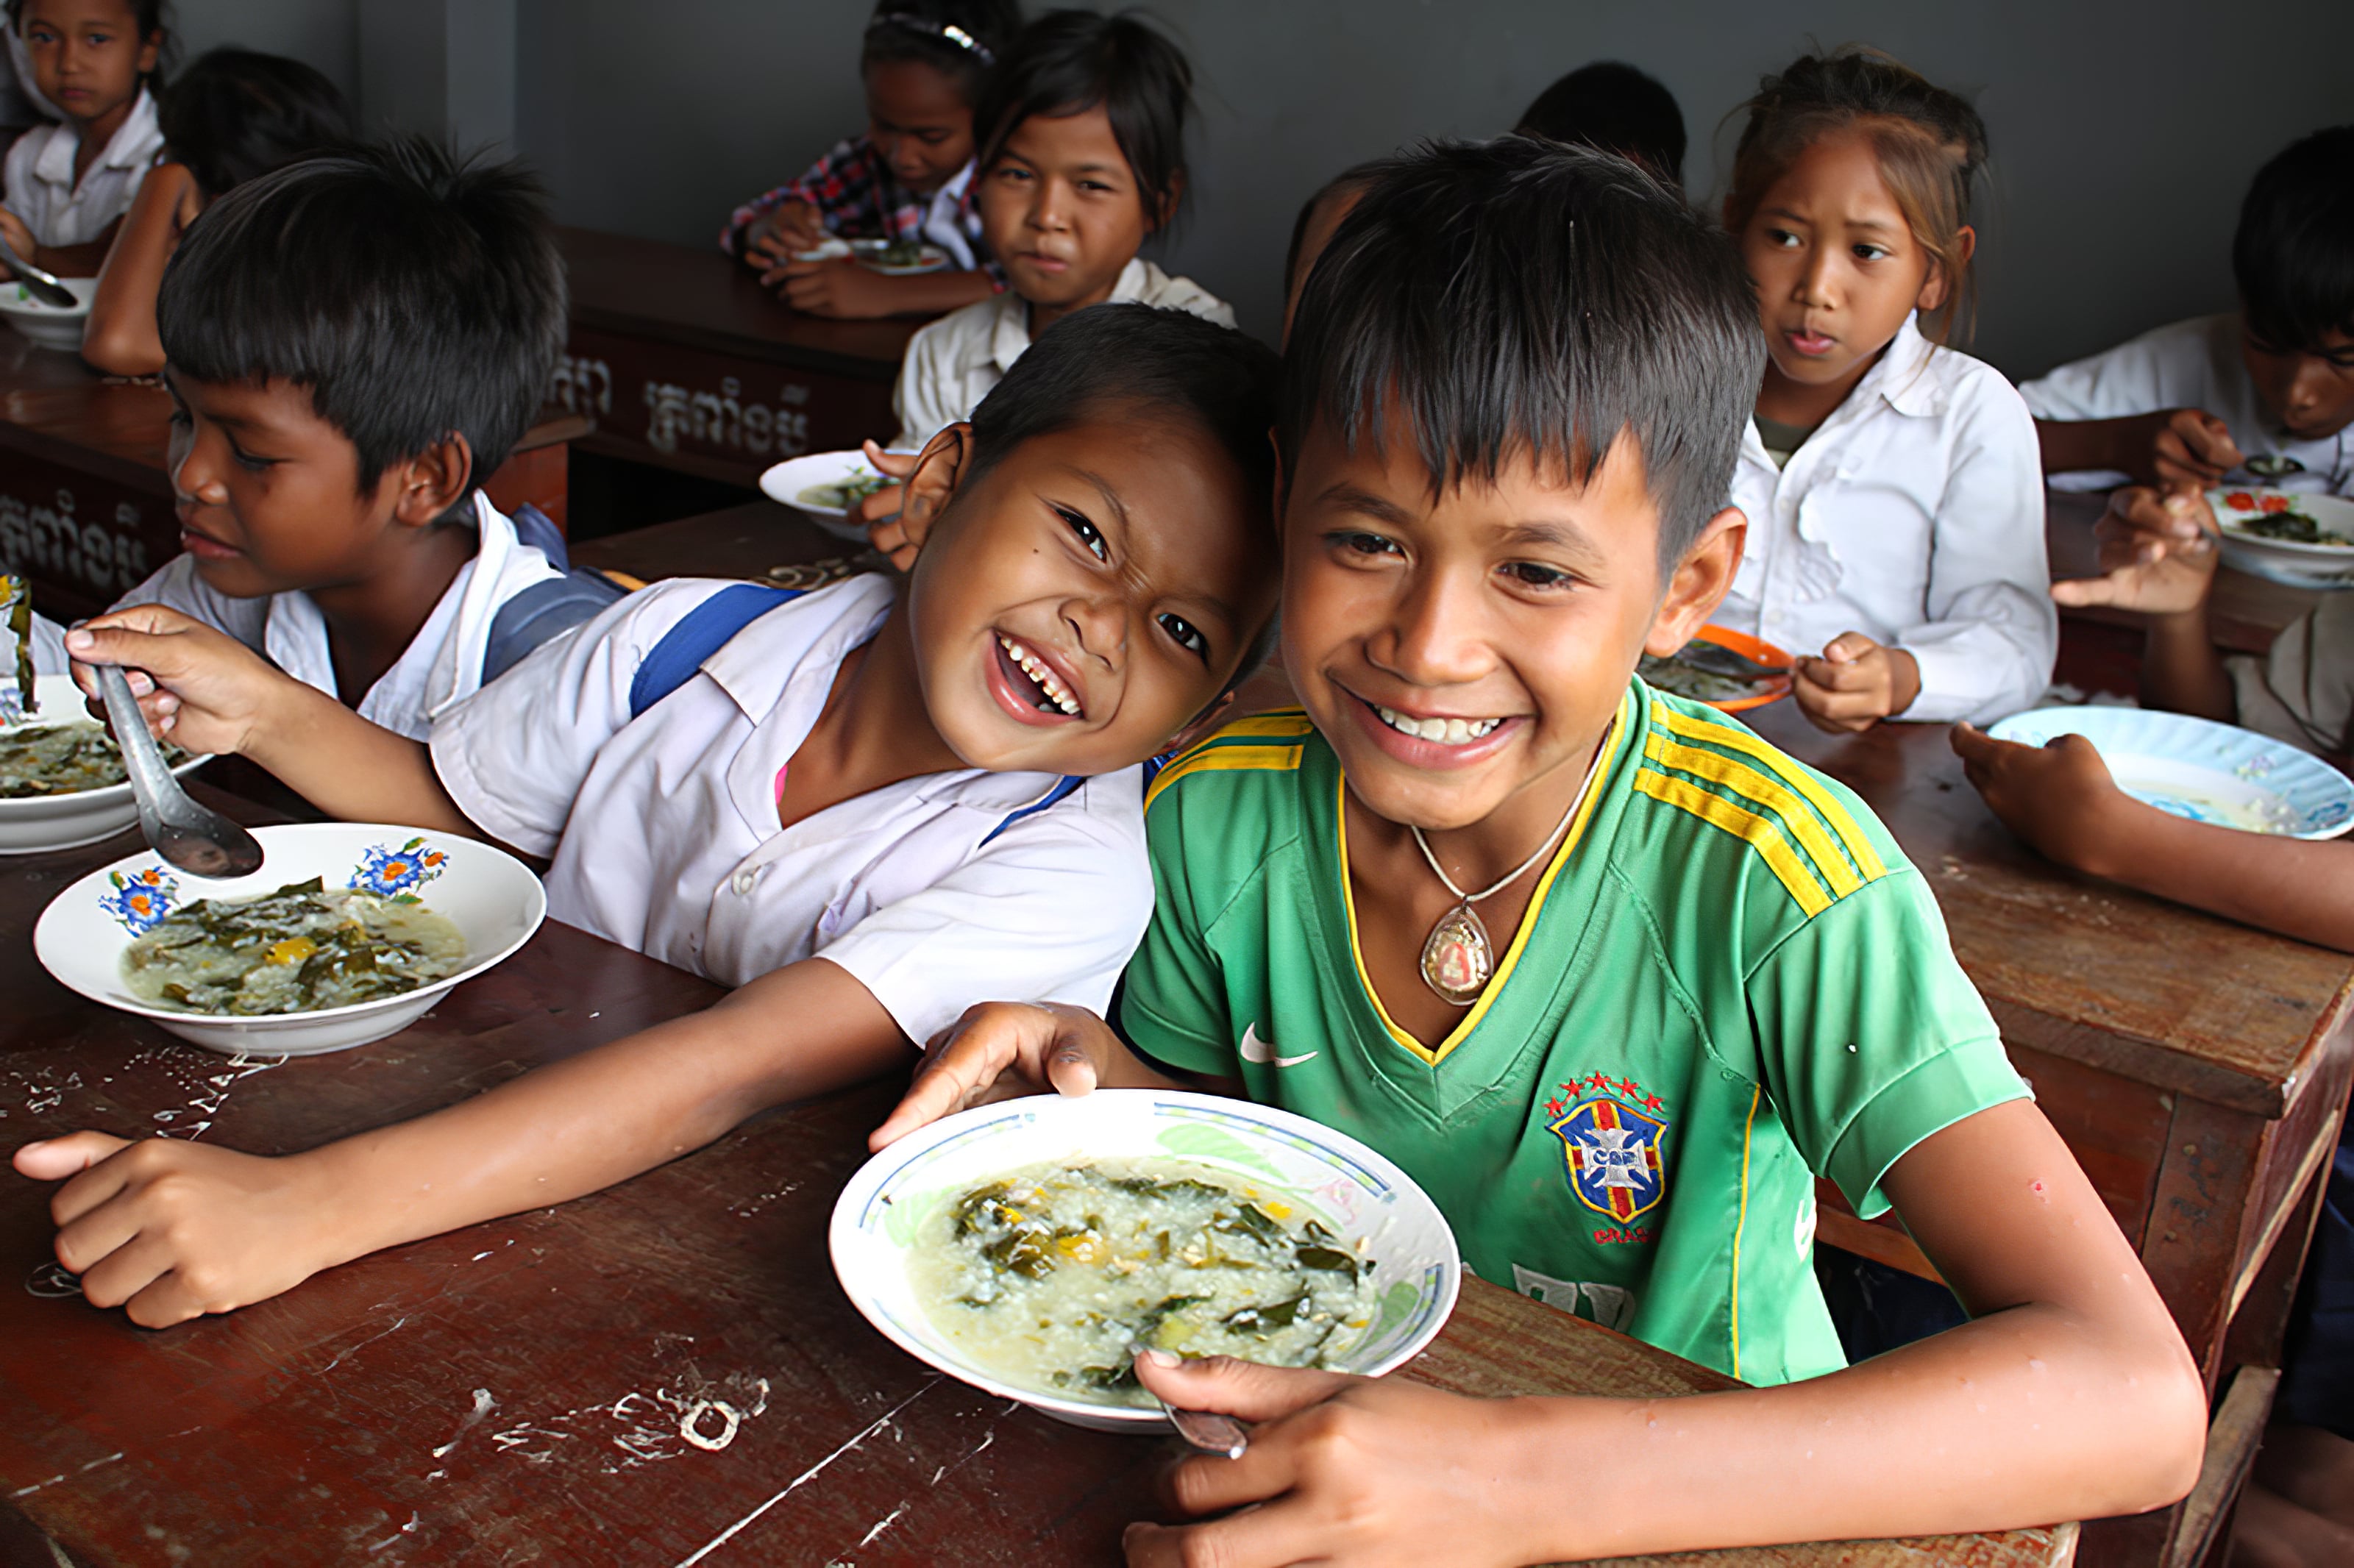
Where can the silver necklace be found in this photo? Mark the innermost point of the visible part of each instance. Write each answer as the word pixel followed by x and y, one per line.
pixel 1457 957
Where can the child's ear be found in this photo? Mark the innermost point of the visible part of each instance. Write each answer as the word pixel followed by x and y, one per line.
pixel 1699 583
pixel 433 482
pixel 1169 203
pixel 1209 719
pixel 1937 288
pixel 150 52
pixel 942 465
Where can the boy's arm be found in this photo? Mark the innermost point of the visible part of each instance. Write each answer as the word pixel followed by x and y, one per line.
pixel 846 289
pixel 2060 798
pixel 120 336
pixel 217 695
pixel 1001 1050
pixel 175 1230
pixel 2158 557
pixel 2068 1395
pixel 2183 447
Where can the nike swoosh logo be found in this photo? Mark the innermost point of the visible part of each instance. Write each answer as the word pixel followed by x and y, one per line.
pixel 1255 1049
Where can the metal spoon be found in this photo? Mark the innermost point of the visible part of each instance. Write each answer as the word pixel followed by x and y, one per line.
pixel 1203 1430
pixel 2273 465
pixel 37 283
pixel 198 841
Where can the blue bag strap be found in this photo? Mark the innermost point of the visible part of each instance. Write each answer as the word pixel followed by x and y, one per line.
pixel 541 613
pixel 700 632
pixel 534 527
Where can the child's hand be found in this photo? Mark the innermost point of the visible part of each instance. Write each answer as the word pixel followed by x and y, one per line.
pixel 2157 554
pixel 782 235
pixel 173 1230
pixel 2058 797
pixel 215 692
pixel 1352 1471
pixel 1855 684
pixel 838 287
pixel 879 513
pixel 20 239
pixel 2183 448
pixel 1000 1050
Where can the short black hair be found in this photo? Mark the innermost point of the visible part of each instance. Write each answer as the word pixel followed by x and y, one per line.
pixel 2293 254
pixel 1223 381
pixel 236 113
pixel 1612 105
pixel 1349 180
pixel 416 294
pixel 1519 297
pixel 962 39
pixel 1068 62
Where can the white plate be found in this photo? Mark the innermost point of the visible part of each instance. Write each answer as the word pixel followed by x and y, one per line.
pixel 2282 560
pixel 929 259
pixel 46 325
pixel 40 822
pixel 2206 771
pixel 1358 1195
pixel 492 897
pixel 790 480
pixel 830 248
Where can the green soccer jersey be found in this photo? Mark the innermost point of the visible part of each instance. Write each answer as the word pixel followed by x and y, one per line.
pixel 1729 979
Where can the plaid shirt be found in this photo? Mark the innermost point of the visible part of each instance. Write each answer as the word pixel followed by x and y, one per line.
pixel 857 198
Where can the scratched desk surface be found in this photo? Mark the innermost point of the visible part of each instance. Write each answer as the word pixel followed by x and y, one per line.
pixel 664 1374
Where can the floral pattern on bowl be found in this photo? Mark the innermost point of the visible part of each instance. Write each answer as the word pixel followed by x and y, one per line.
pixel 140 899
pixel 394 872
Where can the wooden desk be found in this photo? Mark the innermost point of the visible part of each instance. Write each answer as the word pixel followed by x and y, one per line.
pixel 2197 1068
pixel 738 542
pixel 85 500
pixel 687 363
pixel 664 1374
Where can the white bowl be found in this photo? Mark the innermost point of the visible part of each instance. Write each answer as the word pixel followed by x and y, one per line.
pixel 38 822
pixel 2197 769
pixel 2284 560
pixel 46 325
pixel 789 481
pixel 1358 1195
pixel 492 897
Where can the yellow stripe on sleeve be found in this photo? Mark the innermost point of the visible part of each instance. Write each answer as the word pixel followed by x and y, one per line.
pixel 1759 790
pixel 1733 738
pixel 1761 833
pixel 1226 759
pixel 1287 723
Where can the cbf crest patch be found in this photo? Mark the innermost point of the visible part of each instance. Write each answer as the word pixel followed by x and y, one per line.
pixel 1612 1151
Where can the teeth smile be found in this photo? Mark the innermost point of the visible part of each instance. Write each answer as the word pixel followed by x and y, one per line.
pixel 1445 731
pixel 1041 674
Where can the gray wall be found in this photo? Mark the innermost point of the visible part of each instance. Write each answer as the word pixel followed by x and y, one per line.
pixel 2122 133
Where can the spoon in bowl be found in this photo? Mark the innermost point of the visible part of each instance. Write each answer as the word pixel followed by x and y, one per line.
pixel 1204 1430
pixel 198 841
pixel 2273 465
pixel 41 285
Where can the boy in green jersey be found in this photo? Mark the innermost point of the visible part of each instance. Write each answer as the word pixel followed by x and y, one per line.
pixel 1608 974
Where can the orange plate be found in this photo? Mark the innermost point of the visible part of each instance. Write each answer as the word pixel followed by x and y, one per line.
pixel 1749 647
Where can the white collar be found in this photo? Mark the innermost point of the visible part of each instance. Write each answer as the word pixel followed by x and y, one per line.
pixel 1907 377
pixel 1009 333
pixel 131 146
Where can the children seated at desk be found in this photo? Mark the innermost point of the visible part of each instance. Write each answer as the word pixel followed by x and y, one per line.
pixel 68 182
pixel 355 343
pixel 927 65
pixel 231 116
pixel 2192 404
pixel 1894 501
pixel 865 806
pixel 1501 487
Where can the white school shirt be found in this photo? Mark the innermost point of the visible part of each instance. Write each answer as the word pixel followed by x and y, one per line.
pixel 442 663
pixel 665 838
pixel 40 176
pixel 953 362
pixel 2189 365
pixel 1913 514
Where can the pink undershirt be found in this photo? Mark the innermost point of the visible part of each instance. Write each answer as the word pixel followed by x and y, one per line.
pixel 787 768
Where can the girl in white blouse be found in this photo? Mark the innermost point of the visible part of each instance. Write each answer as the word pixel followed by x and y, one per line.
pixel 1894 497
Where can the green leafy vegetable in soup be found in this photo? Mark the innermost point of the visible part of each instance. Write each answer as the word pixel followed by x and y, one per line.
pixel 844 494
pixel 1048 1277
pixel 1674 674
pixel 62 758
pixel 298 949
pixel 2292 527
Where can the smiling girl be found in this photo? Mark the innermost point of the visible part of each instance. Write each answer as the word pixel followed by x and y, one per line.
pixel 68 182
pixel 926 64
pixel 1082 160
pixel 1894 497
